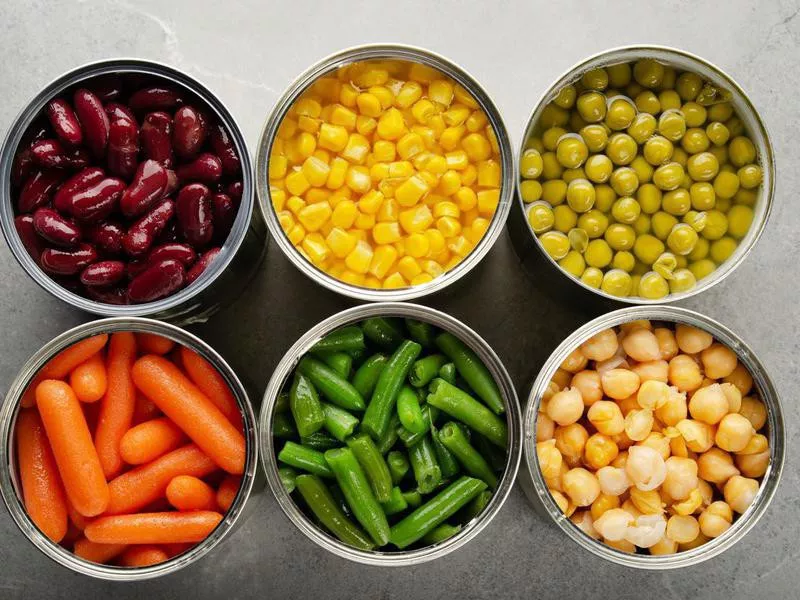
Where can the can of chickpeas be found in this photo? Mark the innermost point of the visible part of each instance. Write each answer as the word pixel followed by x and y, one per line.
pixel 174 556
pixel 646 176
pixel 641 473
pixel 433 155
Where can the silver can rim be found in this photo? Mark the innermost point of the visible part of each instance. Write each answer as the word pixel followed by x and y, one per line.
pixel 513 418
pixel 755 124
pixel 373 52
pixel 767 392
pixel 123 66
pixel 9 488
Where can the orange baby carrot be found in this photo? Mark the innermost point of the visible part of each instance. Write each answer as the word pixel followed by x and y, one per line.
pixel 226 493
pixel 45 501
pixel 173 550
pixel 143 556
pixel 77 519
pixel 153 528
pixel 144 410
pixel 88 379
pixel 212 384
pixel 139 487
pixel 98 553
pixel 149 440
pixel 62 363
pixel 75 454
pixel 191 410
pixel 116 409
pixel 185 492
pixel 152 343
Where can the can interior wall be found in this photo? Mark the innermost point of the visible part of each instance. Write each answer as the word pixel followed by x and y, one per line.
pixel 352 316
pixel 536 489
pixel 10 485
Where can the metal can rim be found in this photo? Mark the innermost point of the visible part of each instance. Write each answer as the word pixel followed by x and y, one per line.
pixel 767 392
pixel 34 107
pixel 372 52
pixel 10 409
pixel 764 149
pixel 352 315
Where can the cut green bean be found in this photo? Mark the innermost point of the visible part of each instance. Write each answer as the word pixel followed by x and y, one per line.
pixel 474 507
pixel 423 462
pixel 472 369
pixel 413 497
pixel 421 332
pixel 425 369
pixel 288 476
pixel 448 373
pixel 341 362
pixel 474 464
pixel 491 453
pixel 321 440
pixel 409 438
pixel 381 406
pixel 466 409
pixel 283 426
pixel 305 405
pixel 440 534
pixel 398 465
pixel 366 376
pixel 332 385
pixel 282 402
pixel 447 462
pixel 383 332
pixel 322 504
pixel 357 492
pixel 409 411
pixel 390 437
pixel 338 421
pixel 337 494
pixel 395 504
pixel 435 511
pixel 304 458
pixel 373 464
pixel 344 339
pixel 358 356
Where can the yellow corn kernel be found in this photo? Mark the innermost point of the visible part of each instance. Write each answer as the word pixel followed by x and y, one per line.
pixel 477 229
pixel 401 169
pixel 326 228
pixel 365 221
pixel 340 242
pixel 286 220
pixel 278 198
pixel 408 267
pixel 343 117
pixel 451 137
pixel 421 159
pixel 386 233
pixel 394 281
pixel 383 94
pixel 422 73
pixel 467 217
pixel 389 211
pixel 352 278
pixel 457 160
pixel 333 137
pixel 328 88
pixel 488 201
pixel 400 247
pixel 436 241
pixel 308 107
pixel 431 267
pixel 448 226
pixel 372 282
pixel 476 121
pixel 391 125
pixel 436 164
pixel 469 175
pixel 383 151
pixel 430 179
pixel 336 197
pixel 417 219
pixel 382 260
pixel 410 145
pixel 308 124
pixel 436 122
pixel 315 195
pixel 423 110
pixel 277 167
pixel 427 134
pixel 336 268
pixel 372 75
pixel 421 279
pixel 361 235
pixel 459 245
pixel 489 174
pixel 465 97
pixel 359 258
pixel 408 94
pixel 432 200
pixel 467 198
pixel 388 187
pixel 315 172
pixel 323 155
pixel 416 245
pixel 368 105
pixel 278 147
pixel 295 204
pixel 316 248
pixel 344 215
pixel 296 234
pixel 348 95
pixel 446 209
pixel 356 149
pixel 449 183
pixel 339 167
pixel 379 172
pixel 287 128
pixel 370 202
pixel 411 191
pixel 452 263
pixel 492 137
pixel 366 125
pixel 358 179
pixel 457 115
pixel 305 144
pixel 477 147
pixel 314 216
pixel 441 91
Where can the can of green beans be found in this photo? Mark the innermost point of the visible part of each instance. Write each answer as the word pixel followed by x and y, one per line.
pixel 11 486
pixel 536 488
pixel 593 290
pixel 506 473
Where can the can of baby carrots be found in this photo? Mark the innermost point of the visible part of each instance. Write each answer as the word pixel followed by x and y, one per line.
pixel 11 480
pixel 391 557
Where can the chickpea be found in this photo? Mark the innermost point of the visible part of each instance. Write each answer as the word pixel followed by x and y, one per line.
pixel 658 442
pixel 561 500
pixel 570 441
pixel 583 520
pixel 647 530
pixel 653 370
pixel 606 417
pixel 622 545
pixel 698 541
pixel 552 389
pixel 628 404
pixel 645 467
pixel 716 519
pixel 561 378
pixel 757 444
pixel 692 340
pixel 718 361
pixel 741 378
pixel 684 373
pixel 630 326
pixel 681 477
pixel 706 491
pixel 613 524
pixel 675 409
pixel 664 546
pixel 621 460
pixel 549 459
pixel 647 502
pixel 631 509
pixel 716 466
pixel 556 482
pixel 545 427
pixel 740 492
pixel 709 404
pixel 682 529
pixel 678 447
pixel 599 451
pixel 733 395
pixel 565 407
pixel 653 394
pixel 667 344
pixel 603 503
pixel 734 432
pixel 699 436
pixel 613 481
pixel 753 465
pixel 601 346
pixel 690 505
pixel 639 424
pixel 589 385
pixel 581 486
pixel 754 411
pixel 641 345
pixel 576 361
pixel 619 383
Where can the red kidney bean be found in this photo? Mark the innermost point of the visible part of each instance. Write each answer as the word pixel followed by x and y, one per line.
pixel 224 211
pixel 188 131
pixel 115 110
pixel 193 207
pixel 206 168
pixel 156 137
pixel 28 236
pixel 51 153
pixel 114 295
pixel 23 163
pixel 54 228
pixel 202 264
pixel 155 98
pixel 64 121
pixel 223 146
pixel 142 233
pixel 169 234
pixel 183 253
pixel 63 198
pixel 106 87
pixel 147 188
pixel 96 202
pixel 172 182
pixel 123 146
pixel 94 121
pixel 135 267
pixel 59 261
pixel 105 272
pixel 234 190
pixel 107 236
pixel 38 188
pixel 157 281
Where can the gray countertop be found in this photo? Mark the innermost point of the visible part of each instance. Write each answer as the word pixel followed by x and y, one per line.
pixel 248 53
